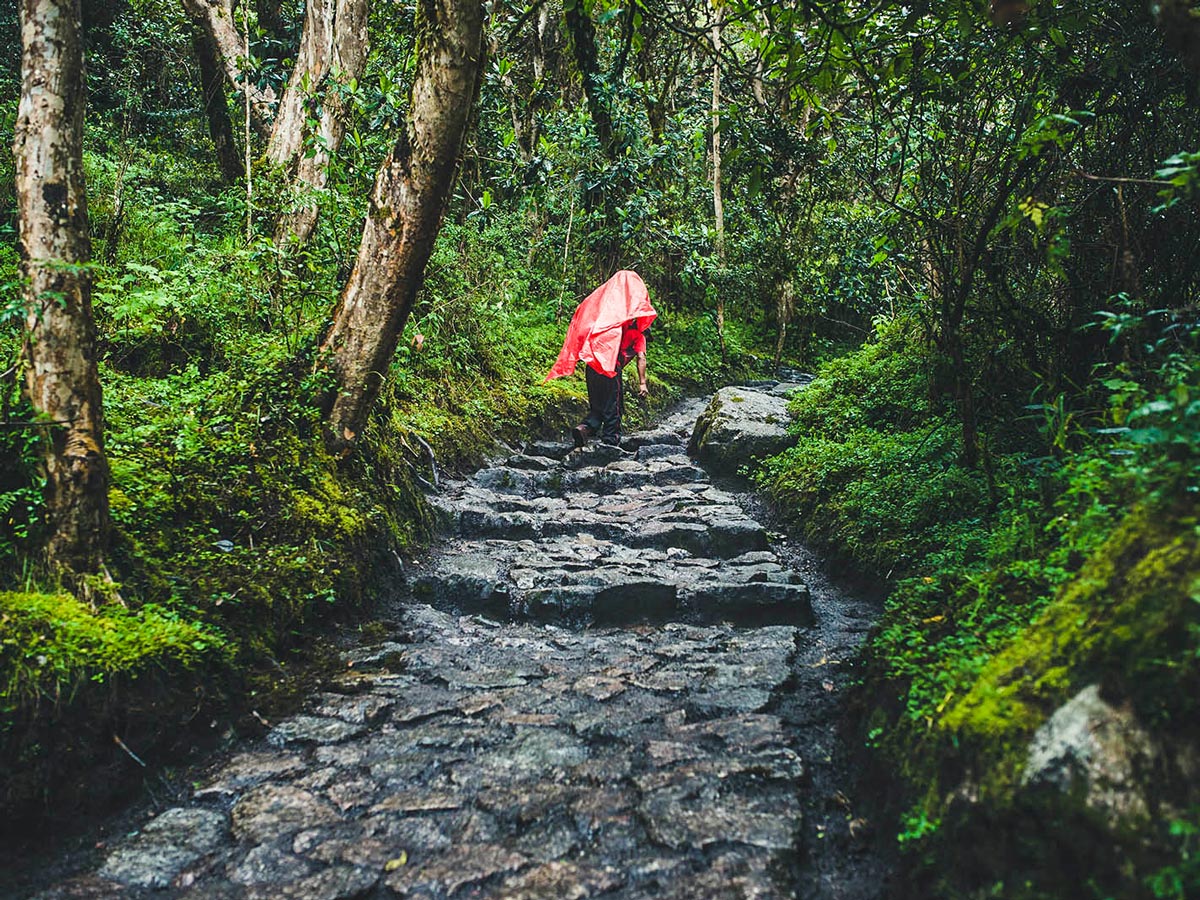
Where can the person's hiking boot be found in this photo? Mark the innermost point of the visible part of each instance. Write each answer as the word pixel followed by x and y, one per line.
pixel 580 434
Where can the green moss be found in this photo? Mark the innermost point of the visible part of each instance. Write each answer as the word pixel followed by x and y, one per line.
pixel 327 509
pixel 1129 620
pixel 1128 617
pixel 50 644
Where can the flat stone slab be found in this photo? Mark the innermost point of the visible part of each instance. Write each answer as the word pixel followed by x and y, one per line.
pixel 314 729
pixel 166 845
pixel 275 810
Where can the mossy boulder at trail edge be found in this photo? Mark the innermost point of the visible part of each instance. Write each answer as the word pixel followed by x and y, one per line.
pixel 1072 758
pixel 742 424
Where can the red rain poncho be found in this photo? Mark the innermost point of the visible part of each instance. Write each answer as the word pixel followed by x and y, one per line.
pixel 595 331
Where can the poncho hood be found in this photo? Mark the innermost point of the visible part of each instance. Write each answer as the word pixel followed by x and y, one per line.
pixel 594 334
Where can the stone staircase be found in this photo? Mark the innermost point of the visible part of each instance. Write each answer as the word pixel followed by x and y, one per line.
pixel 580 699
pixel 608 536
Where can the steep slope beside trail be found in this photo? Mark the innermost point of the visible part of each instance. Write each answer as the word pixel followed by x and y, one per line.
pixel 639 727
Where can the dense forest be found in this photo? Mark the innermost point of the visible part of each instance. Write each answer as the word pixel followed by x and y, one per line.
pixel 268 267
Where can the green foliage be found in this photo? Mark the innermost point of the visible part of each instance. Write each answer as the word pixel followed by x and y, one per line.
pixel 874 474
pixel 1180 880
pixel 20 481
pixel 1017 584
pixel 51 644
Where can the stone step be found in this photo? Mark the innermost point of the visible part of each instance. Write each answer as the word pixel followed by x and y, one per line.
pixel 723 538
pixel 646 601
pixel 584 605
pixel 667 435
pixel 519 476
pixel 607 584
pixel 658 437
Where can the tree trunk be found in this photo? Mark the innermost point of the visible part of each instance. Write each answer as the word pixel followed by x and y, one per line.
pixel 964 399
pixel 216 109
pixel 658 76
pixel 333 50
pixel 545 45
pixel 583 42
pixel 785 307
pixel 718 205
pixel 55 248
pixel 216 18
pixel 407 206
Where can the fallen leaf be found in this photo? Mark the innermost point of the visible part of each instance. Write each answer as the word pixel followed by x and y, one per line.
pixel 396 862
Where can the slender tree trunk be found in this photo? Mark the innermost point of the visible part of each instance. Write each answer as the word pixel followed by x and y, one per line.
pixel 333 50
pixel 216 18
pixel 583 43
pixel 333 41
pixel 55 248
pixel 545 45
pixel 216 108
pixel 785 307
pixel 658 75
pixel 964 397
pixel 718 205
pixel 407 206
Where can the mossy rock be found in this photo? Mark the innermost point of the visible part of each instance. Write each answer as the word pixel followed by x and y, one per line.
pixel 740 425
pixel 1128 619
pixel 1128 625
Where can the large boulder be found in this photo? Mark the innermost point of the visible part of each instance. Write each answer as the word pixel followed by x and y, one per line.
pixel 741 424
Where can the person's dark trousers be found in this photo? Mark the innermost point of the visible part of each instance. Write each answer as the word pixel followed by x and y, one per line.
pixel 604 406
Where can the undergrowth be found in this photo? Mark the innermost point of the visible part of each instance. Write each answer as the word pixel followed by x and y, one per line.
pixel 1013 586
pixel 51 645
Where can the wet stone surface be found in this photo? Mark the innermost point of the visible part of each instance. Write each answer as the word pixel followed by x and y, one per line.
pixel 608 536
pixel 580 699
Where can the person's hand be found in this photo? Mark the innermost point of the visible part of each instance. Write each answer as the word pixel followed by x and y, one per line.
pixel 643 391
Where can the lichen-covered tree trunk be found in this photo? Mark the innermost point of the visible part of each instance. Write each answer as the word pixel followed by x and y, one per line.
pixel 216 18
pixel 407 206
pixel 55 249
pixel 333 50
pixel 216 109
pixel 333 45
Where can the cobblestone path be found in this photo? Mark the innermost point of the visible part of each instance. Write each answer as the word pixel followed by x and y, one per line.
pixel 580 699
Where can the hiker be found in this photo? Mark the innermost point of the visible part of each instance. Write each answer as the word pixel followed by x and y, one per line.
pixel 607 331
